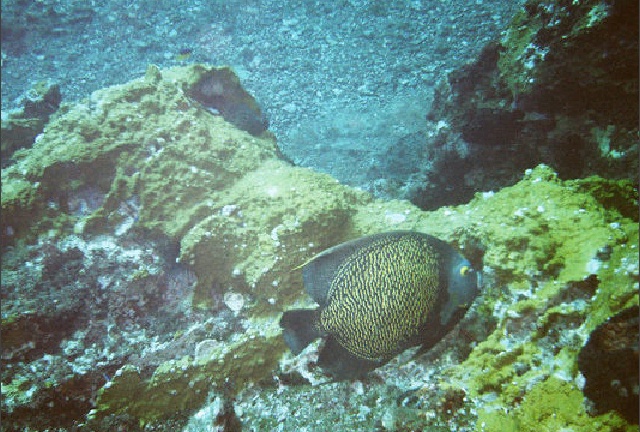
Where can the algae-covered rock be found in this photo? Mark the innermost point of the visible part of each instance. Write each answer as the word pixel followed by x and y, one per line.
pixel 559 87
pixel 141 175
pixel 21 126
pixel 559 265
pixel 110 156
pixel 552 404
pixel 146 160
pixel 265 225
pixel 133 164
pixel 183 384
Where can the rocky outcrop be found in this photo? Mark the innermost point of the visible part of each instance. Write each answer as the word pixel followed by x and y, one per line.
pixel 21 126
pixel 560 87
pixel 150 246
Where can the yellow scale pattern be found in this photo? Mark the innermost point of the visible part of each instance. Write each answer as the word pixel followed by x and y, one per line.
pixel 381 296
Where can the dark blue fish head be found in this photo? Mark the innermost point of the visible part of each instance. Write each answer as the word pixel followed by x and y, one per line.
pixel 462 288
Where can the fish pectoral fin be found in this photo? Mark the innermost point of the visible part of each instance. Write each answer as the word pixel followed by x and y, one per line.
pixel 299 328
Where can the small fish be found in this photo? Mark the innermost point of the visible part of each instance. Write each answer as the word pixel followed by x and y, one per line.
pixel 379 295
pixel 184 54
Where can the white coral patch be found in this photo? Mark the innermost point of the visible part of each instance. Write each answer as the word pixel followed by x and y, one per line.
pixel 234 301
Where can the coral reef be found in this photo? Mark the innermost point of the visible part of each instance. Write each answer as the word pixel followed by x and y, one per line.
pixel 560 87
pixel 556 265
pixel 266 224
pixel 146 161
pixel 149 247
pixel 122 140
pixel 20 127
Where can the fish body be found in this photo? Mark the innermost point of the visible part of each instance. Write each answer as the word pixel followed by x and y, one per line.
pixel 379 295
pixel 184 54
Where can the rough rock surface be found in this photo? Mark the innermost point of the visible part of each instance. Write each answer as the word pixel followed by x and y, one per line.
pixel 21 126
pixel 149 247
pixel 609 362
pixel 559 87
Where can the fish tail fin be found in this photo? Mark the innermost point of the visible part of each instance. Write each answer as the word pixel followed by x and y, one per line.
pixel 299 328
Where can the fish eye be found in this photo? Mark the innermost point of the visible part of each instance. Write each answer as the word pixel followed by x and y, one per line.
pixel 465 270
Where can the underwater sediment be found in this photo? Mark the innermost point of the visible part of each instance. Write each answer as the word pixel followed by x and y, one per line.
pixel 151 243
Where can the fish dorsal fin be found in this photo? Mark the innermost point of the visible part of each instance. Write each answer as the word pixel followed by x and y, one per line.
pixel 319 272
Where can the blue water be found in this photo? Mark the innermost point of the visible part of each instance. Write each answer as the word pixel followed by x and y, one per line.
pixel 333 78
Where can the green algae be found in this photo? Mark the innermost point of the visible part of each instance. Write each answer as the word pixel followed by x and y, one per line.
pixel 518 37
pixel 551 405
pixel 566 306
pixel 617 196
pixel 17 392
pixel 271 221
pixel 182 385
pixel 245 221
pixel 544 228
pixel 618 281
pixel 126 141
